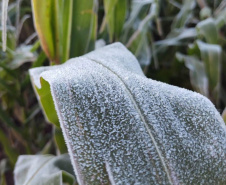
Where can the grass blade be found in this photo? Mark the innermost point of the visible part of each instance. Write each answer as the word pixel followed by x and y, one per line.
pixel 43 13
pixel 115 12
pixel 4 23
pixel 84 24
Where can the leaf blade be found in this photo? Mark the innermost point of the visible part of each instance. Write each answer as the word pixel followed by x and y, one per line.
pixel 43 17
pixel 84 23
pixel 43 169
pixel 109 131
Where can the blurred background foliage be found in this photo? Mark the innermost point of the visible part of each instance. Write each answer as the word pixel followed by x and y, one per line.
pixel 180 42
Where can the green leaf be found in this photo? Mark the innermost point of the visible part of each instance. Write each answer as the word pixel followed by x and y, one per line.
pixel 53 21
pixel 66 28
pixel 45 99
pixel 7 147
pixel 40 60
pixel 47 103
pixel 59 139
pixel 178 37
pixel 3 170
pixel 211 56
pixel 44 169
pixel 138 42
pixel 141 49
pixel 123 128
pixel 64 23
pixel 208 30
pixel 84 27
pixel 44 20
pixel 184 15
pixel 11 39
pixel 198 74
pixel 136 8
pixel 115 13
pixel 21 56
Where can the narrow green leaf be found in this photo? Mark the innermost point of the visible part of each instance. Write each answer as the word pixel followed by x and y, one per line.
pixel 22 55
pixel 43 13
pixel 198 74
pixel 59 139
pixel 40 60
pixel 122 128
pixel 136 7
pixel 3 170
pixel 45 99
pixel 115 13
pixel 184 15
pixel 47 103
pixel 84 27
pixel 208 30
pixel 178 37
pixel 9 151
pixel 4 23
pixel 220 18
pixel 211 56
pixel 141 49
pixel 138 42
pixel 64 21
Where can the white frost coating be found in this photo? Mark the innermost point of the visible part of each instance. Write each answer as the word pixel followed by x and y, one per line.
pixel 147 131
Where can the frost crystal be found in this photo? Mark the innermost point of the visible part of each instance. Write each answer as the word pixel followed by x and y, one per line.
pixel 123 128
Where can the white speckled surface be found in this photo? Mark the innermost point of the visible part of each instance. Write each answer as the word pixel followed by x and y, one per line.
pixel 123 128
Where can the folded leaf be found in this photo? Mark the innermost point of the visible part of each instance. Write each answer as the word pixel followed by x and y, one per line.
pixel 123 128
pixel 208 30
pixel 43 170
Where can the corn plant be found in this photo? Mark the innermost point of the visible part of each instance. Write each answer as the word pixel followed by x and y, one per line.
pixel 156 127
pixel 19 111
pixel 123 128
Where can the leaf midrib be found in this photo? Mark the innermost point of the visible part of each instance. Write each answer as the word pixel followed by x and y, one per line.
pixel 142 118
pixel 36 172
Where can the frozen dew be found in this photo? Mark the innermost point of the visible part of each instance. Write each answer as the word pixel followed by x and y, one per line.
pixel 122 128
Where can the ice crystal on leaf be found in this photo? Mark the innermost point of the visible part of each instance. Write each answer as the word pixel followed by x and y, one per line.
pixel 123 128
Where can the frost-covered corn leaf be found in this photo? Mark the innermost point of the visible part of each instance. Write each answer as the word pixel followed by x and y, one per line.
pixel 43 170
pixel 123 128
